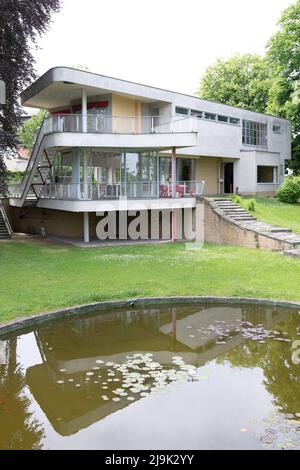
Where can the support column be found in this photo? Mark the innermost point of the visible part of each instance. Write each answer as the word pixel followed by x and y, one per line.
pixel 174 179
pixel 85 174
pixel 84 110
pixel 86 227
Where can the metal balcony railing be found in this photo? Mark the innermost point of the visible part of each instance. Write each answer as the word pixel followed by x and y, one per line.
pixel 131 190
pixel 102 124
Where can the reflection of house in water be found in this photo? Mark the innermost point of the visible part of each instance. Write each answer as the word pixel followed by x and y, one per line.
pixel 70 349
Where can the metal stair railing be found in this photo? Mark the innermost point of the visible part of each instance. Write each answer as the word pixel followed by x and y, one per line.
pixel 32 164
pixel 5 218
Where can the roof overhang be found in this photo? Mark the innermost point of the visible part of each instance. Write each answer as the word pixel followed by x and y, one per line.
pixel 61 85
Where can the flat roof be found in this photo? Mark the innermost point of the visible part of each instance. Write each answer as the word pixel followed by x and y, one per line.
pixel 59 74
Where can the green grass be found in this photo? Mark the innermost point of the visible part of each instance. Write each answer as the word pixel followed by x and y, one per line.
pixel 277 213
pixel 36 276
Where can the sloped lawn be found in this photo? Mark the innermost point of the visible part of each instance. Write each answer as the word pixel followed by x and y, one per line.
pixel 277 213
pixel 36 276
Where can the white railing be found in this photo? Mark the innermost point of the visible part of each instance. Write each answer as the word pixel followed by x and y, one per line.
pixel 131 190
pixel 98 123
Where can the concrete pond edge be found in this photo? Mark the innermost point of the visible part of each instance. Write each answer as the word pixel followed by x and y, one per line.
pixel 37 319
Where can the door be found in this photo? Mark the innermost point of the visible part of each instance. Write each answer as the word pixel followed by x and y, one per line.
pixel 228 178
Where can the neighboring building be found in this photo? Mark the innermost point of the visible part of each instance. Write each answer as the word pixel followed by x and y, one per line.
pixel 19 161
pixel 107 140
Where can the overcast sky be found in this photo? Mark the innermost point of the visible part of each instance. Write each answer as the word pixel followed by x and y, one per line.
pixel 164 43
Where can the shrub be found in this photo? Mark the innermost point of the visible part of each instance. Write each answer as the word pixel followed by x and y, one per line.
pixel 289 191
pixel 236 198
pixel 251 205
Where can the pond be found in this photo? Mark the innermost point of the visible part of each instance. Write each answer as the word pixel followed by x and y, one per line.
pixel 192 376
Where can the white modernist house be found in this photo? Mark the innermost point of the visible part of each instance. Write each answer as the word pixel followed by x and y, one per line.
pixel 111 145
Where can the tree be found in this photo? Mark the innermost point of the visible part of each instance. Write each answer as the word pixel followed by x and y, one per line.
pixel 242 80
pixel 21 23
pixel 21 429
pixel 29 129
pixel 283 56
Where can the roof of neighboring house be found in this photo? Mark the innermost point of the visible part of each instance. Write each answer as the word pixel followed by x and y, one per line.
pixel 23 153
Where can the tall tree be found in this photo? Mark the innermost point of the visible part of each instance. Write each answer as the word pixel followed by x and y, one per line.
pixel 29 129
pixel 21 23
pixel 283 56
pixel 242 80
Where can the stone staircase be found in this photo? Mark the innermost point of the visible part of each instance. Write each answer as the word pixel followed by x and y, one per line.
pixel 234 213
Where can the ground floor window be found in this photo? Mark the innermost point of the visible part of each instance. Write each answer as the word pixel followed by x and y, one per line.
pixel 267 174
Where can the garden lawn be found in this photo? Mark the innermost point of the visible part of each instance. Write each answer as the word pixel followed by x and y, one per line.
pixel 36 276
pixel 274 212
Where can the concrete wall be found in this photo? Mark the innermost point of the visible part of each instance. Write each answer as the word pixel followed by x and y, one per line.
pixel 219 230
pixel 207 169
pixel 65 224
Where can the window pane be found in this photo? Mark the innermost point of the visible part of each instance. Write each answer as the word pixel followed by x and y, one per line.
pixel 266 174
pixel 255 133
pixel 196 113
pixel 210 116
pixel 222 118
pixel 179 110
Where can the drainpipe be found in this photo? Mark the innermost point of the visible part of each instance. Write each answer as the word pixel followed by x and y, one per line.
pixel 84 110
pixel 86 228
pixel 174 179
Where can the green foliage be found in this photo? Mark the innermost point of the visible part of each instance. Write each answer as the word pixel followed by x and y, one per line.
pixel 242 80
pixel 28 131
pixel 275 212
pixel 251 205
pixel 283 56
pixel 289 191
pixel 14 176
pixel 269 84
pixel 236 198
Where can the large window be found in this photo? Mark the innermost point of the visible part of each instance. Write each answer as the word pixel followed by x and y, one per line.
pixel 267 174
pixel 255 133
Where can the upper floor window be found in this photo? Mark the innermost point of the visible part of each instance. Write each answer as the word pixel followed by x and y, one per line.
pixel 195 113
pixel 235 121
pixel 210 116
pixel 255 133
pixel 276 129
pixel 179 110
pixel 222 118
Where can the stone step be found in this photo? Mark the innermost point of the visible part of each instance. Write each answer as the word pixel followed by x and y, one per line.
pixel 280 230
pixel 235 212
pixel 243 219
pixel 217 199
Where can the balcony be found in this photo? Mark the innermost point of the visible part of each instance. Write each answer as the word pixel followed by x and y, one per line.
pixel 136 190
pixel 139 132
pixel 102 124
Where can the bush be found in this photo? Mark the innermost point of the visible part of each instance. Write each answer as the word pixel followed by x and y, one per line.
pixel 289 191
pixel 236 199
pixel 251 205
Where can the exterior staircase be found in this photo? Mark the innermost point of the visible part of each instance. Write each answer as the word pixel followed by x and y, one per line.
pixel 235 214
pixel 5 228
pixel 37 171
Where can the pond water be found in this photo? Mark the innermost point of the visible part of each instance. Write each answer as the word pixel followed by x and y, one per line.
pixel 193 376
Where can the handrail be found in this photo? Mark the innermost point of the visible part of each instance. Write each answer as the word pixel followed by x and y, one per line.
pixel 6 219
pixel 32 160
pixel 113 124
pixel 116 190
